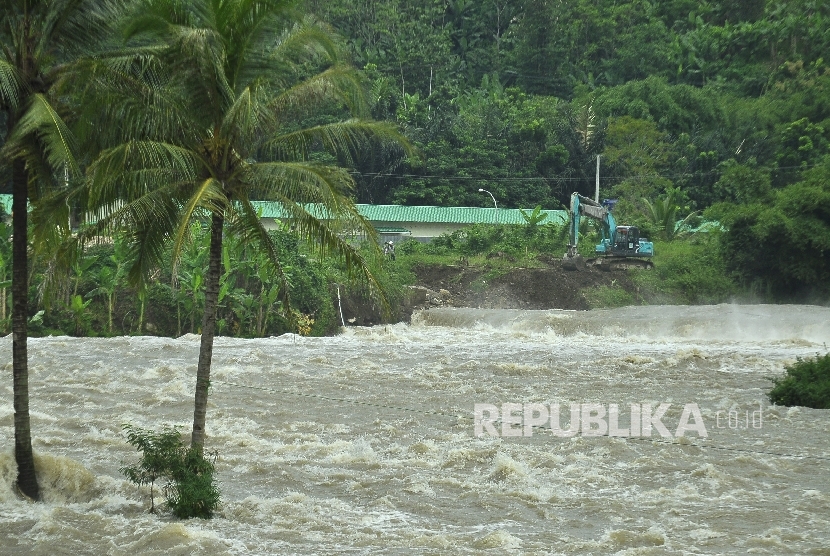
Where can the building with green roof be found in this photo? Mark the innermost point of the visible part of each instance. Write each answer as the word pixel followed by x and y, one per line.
pixel 396 222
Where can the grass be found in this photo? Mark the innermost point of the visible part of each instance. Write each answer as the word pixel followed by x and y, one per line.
pixel 607 297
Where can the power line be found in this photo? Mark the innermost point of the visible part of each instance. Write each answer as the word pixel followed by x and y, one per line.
pixel 606 179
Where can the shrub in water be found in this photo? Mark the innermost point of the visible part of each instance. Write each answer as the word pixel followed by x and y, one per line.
pixel 190 490
pixel 806 383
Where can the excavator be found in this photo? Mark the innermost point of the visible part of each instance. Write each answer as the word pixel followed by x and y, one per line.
pixel 621 247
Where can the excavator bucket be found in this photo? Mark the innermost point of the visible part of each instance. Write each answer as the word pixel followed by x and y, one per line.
pixel 573 262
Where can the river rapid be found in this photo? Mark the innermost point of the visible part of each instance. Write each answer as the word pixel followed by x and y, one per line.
pixel 364 443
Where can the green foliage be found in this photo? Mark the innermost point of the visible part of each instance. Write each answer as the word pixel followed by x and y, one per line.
pixel 607 297
pixel 190 490
pixel 79 310
pixel 394 276
pixel 518 241
pixel 534 217
pixel 727 101
pixel 806 383
pixel 686 272
pixel 741 183
pixel 663 214
pixel 674 94
pixel 784 247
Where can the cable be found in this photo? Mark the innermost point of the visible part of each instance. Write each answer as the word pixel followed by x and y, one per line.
pixel 557 178
pixel 535 427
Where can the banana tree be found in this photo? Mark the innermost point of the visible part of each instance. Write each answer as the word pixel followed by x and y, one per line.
pixel 663 214
pixel 79 311
pixel 107 280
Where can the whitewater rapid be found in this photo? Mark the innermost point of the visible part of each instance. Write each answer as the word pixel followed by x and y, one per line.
pixel 364 442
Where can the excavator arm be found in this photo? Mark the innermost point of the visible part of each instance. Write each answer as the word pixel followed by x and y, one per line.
pixel 621 246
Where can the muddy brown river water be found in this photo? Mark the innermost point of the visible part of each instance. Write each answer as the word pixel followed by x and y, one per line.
pixel 365 443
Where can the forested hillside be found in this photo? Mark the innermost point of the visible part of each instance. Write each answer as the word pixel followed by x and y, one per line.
pixel 723 99
pixel 722 106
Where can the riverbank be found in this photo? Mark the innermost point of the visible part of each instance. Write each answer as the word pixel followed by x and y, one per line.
pixel 551 287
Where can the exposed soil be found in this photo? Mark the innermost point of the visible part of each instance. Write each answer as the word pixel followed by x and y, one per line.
pixel 519 288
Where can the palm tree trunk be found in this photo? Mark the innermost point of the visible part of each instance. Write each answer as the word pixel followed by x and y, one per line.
pixel 208 327
pixel 109 312
pixel 141 298
pixel 26 479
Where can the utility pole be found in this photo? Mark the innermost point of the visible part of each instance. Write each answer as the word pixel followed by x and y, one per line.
pixel 596 191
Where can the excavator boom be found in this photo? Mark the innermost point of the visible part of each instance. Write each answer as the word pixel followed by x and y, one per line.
pixel 621 246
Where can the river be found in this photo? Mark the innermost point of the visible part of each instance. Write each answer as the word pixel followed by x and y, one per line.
pixel 365 443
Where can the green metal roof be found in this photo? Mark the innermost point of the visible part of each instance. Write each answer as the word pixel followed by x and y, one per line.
pixel 425 214
pixel 399 213
pixel 6 201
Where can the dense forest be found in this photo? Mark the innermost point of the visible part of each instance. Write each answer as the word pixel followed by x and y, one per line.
pixel 722 106
pixel 722 99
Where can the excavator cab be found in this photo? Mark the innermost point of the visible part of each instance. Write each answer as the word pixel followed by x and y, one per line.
pixel 626 241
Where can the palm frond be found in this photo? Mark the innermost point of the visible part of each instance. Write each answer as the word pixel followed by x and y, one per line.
pixel 329 236
pixel 147 222
pixel 42 122
pixel 133 89
pixel 338 83
pixel 208 197
pixel 77 27
pixel 296 185
pixel 247 117
pixel 198 57
pixel 343 139
pixel 128 171
pixel 248 227
pixel 252 30
pixel 11 85
pixel 304 182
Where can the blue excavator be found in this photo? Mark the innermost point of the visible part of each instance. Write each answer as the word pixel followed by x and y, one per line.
pixel 621 247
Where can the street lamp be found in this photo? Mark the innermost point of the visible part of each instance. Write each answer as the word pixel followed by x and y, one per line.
pixel 495 204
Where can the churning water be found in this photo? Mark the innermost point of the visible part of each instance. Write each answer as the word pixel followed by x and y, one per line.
pixel 364 442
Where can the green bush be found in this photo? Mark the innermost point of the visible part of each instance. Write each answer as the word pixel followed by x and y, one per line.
pixel 191 489
pixel 517 240
pixel 805 383
pixel 607 297
pixel 687 271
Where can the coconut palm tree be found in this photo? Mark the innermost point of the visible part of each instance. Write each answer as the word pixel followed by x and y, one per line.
pixel 40 41
pixel 216 97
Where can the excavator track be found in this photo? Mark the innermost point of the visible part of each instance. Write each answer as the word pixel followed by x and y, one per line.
pixel 607 264
pixel 619 263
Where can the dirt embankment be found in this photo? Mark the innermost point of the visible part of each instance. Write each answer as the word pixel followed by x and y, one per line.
pixel 517 288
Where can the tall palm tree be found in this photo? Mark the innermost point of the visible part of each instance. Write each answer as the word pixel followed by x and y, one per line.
pixel 40 40
pixel 214 96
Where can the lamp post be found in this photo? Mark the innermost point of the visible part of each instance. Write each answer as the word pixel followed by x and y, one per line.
pixel 495 204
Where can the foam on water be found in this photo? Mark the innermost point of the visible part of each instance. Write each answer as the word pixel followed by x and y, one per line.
pixel 733 323
pixel 364 443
